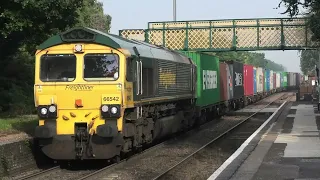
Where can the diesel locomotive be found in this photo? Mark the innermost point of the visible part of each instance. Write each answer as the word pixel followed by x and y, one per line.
pixel 98 95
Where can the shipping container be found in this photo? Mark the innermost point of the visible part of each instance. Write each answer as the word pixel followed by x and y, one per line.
pixel 267 80
pixel 274 80
pixel 285 79
pixel 254 80
pixel 278 80
pixel 288 78
pixel 271 80
pixel 291 79
pixel 208 75
pixel 224 82
pixel 281 79
pixel 260 80
pixel 236 69
pixel 298 79
pixel 248 79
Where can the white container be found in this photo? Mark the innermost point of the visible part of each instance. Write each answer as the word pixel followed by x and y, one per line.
pixel 260 80
pixel 278 80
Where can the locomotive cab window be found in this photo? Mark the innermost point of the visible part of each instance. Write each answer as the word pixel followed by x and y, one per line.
pixel 101 67
pixel 58 68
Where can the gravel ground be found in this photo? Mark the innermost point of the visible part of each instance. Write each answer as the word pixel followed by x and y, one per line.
pixel 69 173
pixel 204 163
pixel 5 139
pixel 149 165
pixel 63 174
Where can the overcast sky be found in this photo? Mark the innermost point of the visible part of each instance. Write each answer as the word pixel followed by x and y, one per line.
pixel 135 14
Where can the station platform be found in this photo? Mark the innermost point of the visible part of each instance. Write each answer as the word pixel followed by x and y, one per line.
pixel 288 149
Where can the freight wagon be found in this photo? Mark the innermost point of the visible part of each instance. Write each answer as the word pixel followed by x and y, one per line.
pixel 208 102
pixel 291 80
pixel 267 81
pixel 298 80
pixel 255 81
pixel 271 81
pixel 248 83
pixel 274 82
pixel 278 82
pixel 225 84
pixel 285 80
pixel 236 71
pixel 260 82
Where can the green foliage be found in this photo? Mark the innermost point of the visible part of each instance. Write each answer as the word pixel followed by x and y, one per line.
pixel 308 60
pixel 292 6
pixel 24 24
pixel 312 11
pixel 91 15
pixel 255 59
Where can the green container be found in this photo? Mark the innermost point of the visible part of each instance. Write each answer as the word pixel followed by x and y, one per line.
pixel 208 78
pixel 285 79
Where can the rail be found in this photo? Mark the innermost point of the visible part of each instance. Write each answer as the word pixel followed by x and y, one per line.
pixel 214 140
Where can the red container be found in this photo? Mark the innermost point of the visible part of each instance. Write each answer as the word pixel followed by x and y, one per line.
pixel 274 80
pixel 224 85
pixel 248 79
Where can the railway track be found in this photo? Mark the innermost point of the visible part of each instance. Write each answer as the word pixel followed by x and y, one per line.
pixel 126 168
pixel 58 173
pixel 178 171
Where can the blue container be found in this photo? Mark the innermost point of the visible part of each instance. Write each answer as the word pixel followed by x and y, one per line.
pixel 267 80
pixel 254 81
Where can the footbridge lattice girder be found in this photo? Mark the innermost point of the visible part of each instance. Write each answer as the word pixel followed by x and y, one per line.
pixel 226 35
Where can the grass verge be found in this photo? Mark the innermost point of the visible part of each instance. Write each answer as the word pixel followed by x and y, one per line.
pixel 14 125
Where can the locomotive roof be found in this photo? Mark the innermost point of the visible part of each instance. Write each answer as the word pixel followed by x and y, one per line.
pixel 84 34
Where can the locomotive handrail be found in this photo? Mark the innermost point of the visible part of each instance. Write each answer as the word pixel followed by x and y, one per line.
pixel 141 87
pixel 138 79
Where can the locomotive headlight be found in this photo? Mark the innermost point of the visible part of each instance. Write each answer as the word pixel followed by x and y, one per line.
pixel 110 110
pixel 104 108
pixel 52 109
pixel 114 110
pixel 43 111
pixel 78 47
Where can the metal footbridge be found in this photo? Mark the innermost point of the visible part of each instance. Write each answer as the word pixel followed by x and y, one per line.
pixel 227 35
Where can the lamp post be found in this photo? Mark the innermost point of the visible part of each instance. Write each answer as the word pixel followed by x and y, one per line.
pixel 175 10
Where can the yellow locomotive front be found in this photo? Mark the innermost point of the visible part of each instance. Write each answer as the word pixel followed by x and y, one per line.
pixel 79 90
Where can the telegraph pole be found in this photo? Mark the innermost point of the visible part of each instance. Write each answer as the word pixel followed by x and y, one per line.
pixel 174 10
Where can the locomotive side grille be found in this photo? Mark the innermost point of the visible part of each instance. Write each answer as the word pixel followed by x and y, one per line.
pixel 174 78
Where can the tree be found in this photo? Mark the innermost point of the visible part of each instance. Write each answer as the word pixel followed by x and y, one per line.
pixel 253 58
pixel 24 24
pixel 312 8
pixel 293 6
pixel 308 60
pixel 91 15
